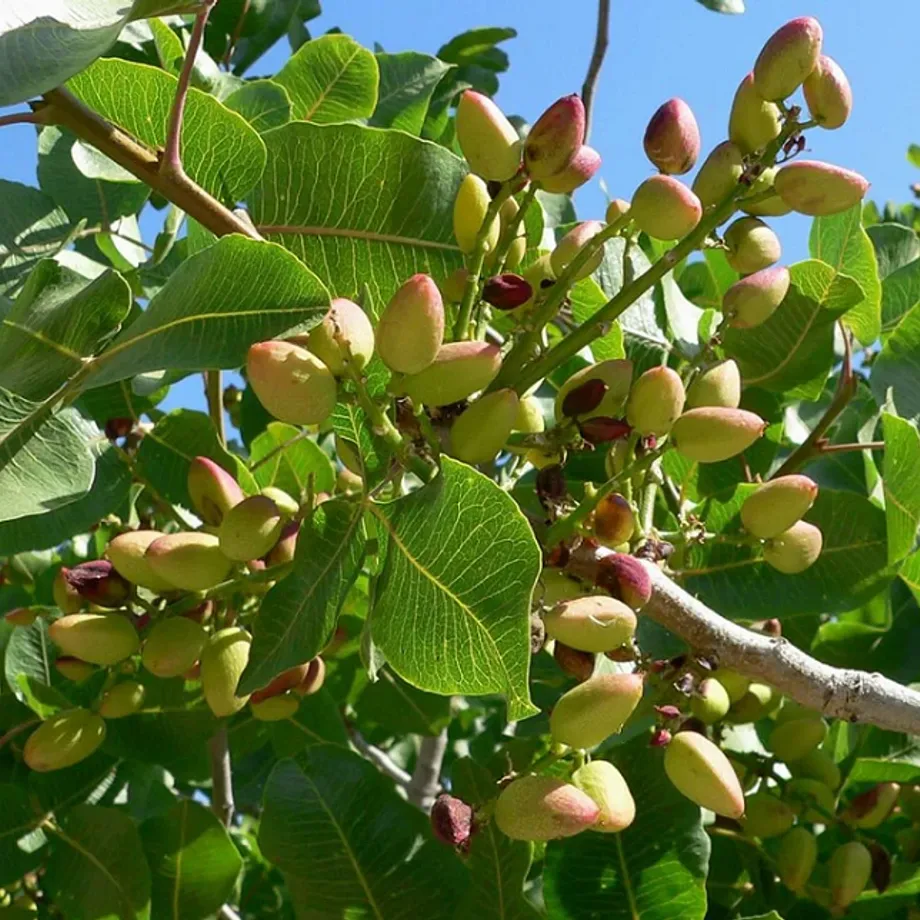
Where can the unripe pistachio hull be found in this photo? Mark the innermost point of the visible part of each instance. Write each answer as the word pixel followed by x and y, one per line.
pixel 601 781
pixel 719 385
pixel 614 521
pixel 250 529
pixel 127 552
pixel 591 624
pixel 470 207
pixel 665 208
pixel 711 434
pixel 819 189
pixel 213 492
pixel 656 401
pixel 794 550
pixel 345 321
pixel 411 328
pixel 275 708
pixel 702 773
pixel 767 816
pixel 190 561
pixel 719 175
pixel 529 418
pixel 810 799
pixel 787 58
pixel 543 808
pixel 578 171
pixel 777 505
pixel 99 638
pixel 487 139
pixel 711 703
pixel 555 138
pixel 752 245
pixel 222 663
pixel 796 738
pixel 752 300
pixel 480 432
pixel 459 370
pixel 291 383
pixel 817 765
pixel 64 740
pixel 595 710
pixel 572 244
pixel 173 646
pixel 122 700
pixel 849 871
pixel 753 122
pixel 672 138
pixel 796 858
pixel 828 94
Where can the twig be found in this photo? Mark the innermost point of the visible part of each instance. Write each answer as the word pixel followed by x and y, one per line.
pixel 214 394
pixel 22 118
pixel 221 777
pixel 426 777
pixel 237 32
pixel 17 730
pixel 843 693
pixel 601 41
pixel 171 163
pixel 825 448
pixel 380 760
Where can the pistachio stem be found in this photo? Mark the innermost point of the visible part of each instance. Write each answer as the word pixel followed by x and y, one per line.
pixel 222 803
pixel 214 395
pixel 601 41
pixel 511 231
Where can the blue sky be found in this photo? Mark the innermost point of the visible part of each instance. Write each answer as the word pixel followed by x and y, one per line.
pixel 659 49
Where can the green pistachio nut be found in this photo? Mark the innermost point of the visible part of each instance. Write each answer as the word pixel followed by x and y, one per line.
pixel 189 561
pixel 518 248
pixel 672 138
pixel 603 783
pixel 459 370
pixel 819 189
pixel 223 661
pixel 286 547
pixel 453 286
pixel 788 57
pixel 593 711
pixel 127 553
pixel 555 138
pixel 752 245
pixel 818 765
pixel 173 646
pixel 778 504
pixel 291 383
pixel 753 122
pixel 702 773
pixel 717 385
pixel 275 708
pixel 810 799
pixel 66 598
pixel 656 401
pixel 529 418
pixel 555 586
pixel 578 171
pixel 411 327
pixel 73 668
pixel 488 141
pixel 752 300
pixel 735 684
pixel 615 210
pixel 771 205
pixel 344 334
pixel 848 873
pixel 909 800
pixel 796 858
pixel 213 491
pixel 712 433
pixel 828 94
pixel 250 529
pixel 99 638
pixel 470 207
pixel 543 808
pixel 757 703
pixel 124 699
pixel 347 452
pixel 572 244
pixel 616 374
pixel 719 175
pixel 767 816
pixel 870 809
pixel 665 208
pixel 591 624
pixel 614 522
pixel 480 432
pixel 710 703
pixel 64 740
pixel 794 739
pixel 795 549
pixel 287 504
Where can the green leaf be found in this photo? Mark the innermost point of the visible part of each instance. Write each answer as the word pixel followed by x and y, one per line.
pixel 900 294
pixel 723 6
pixel 44 458
pixel 331 79
pixel 452 609
pixel 895 246
pixel 82 197
pixel 287 458
pixel 17 856
pixel 167 450
pixel 896 367
pixel 193 863
pixel 498 865
pixel 841 242
pixel 910 574
pixel 407 83
pixel 852 568
pixel 58 320
pixel 793 351
pixel 878 770
pixel 317 721
pixel 220 150
pixel 97 869
pixel 913 154
pixel 655 869
pixel 350 423
pixel 401 708
pixel 214 306
pixel 683 315
pixel 902 484
pixel 398 224
pixel 586 299
pixel 349 845
pixel 298 615
pixel 32 227
pixel 263 103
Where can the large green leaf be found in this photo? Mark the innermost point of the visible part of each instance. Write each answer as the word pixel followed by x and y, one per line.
pixel 654 870
pixel 58 320
pixel 895 246
pixel 318 720
pixel 19 819
pixel 349 845
pixel 402 709
pixel 214 306
pixel 900 294
pixel 193 863
pixel 793 351
pixel 897 366
pixel 298 615
pixel 287 458
pixel 331 79
pixel 407 82
pixel 32 227
pixel 263 103
pixel 902 484
pixel 841 242
pixel 852 568
pixel 377 207
pixel 452 609
pixel 44 458
pixel 350 423
pixel 97 869
pixel 221 151
pixel 29 669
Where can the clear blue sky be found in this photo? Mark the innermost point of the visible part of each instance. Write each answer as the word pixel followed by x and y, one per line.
pixel 659 49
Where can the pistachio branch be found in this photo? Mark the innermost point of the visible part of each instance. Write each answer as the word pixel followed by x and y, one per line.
pixel 23 118
pixel 380 759
pixel 426 777
pixel 843 693
pixel 601 41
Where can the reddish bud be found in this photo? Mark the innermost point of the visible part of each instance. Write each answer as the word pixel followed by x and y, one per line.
pixel 668 712
pixel 507 291
pixel 550 483
pixel 116 428
pixel 98 583
pixel 672 138
pixel 452 820
pixel 661 737
pixel 772 627
pixel 601 429
pixel 573 661
pixel 555 138
pixel 881 867
pixel 580 169
pixel 624 578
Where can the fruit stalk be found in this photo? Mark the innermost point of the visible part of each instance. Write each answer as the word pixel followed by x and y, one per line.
pixel 510 232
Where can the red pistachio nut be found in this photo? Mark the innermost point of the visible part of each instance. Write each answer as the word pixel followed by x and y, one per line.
pixel 624 578
pixel 828 94
pixel 411 327
pixel 452 820
pixel 99 583
pixel 672 138
pixel 555 138
pixel 601 429
pixel 507 291
pixel 787 58
pixel 579 170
